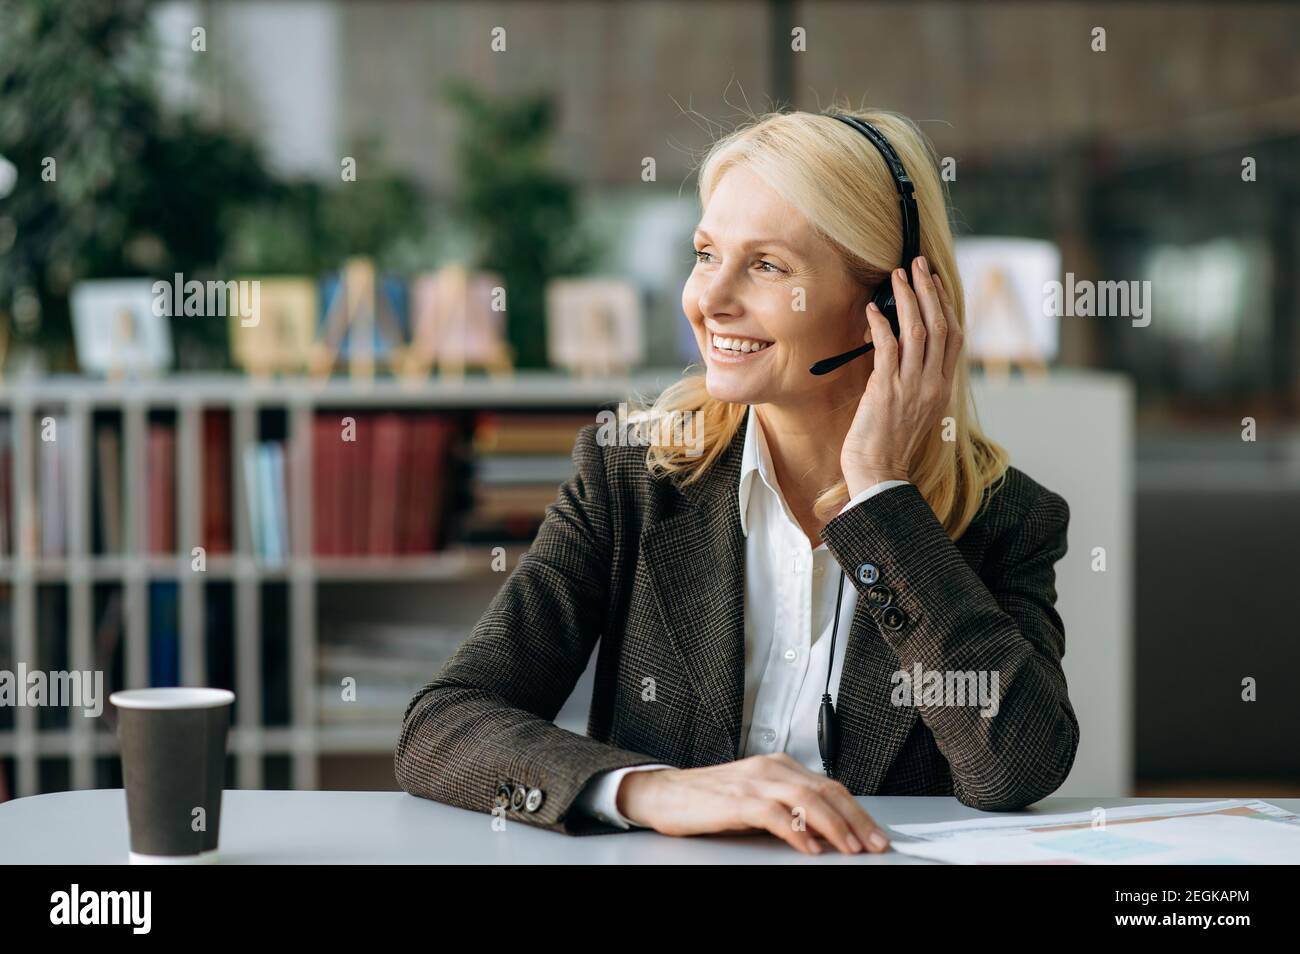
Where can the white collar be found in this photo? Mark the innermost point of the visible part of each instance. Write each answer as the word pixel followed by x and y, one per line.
pixel 757 458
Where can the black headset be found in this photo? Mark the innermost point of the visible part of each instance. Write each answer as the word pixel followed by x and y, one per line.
pixel 884 297
pixel 827 732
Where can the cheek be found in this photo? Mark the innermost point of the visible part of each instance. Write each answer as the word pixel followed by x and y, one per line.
pixel 691 299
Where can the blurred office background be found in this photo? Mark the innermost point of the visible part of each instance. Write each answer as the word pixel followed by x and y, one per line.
pixel 328 145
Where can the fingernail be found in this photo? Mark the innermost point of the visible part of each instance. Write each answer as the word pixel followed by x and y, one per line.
pixel 900 273
pixel 921 259
pixel 879 841
pixel 854 845
pixel 814 847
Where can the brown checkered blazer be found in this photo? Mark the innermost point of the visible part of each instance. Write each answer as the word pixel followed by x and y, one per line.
pixel 655 573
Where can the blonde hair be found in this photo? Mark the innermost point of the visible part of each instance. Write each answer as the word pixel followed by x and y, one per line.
pixel 841 184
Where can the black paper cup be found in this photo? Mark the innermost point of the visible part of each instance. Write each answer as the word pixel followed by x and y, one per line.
pixel 173 744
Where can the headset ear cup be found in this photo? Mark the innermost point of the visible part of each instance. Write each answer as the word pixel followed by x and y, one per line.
pixel 889 308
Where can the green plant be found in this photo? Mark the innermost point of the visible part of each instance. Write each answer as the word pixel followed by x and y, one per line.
pixel 521 214
pixel 108 184
pixel 140 191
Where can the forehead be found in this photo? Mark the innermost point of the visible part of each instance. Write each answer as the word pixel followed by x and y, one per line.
pixel 744 207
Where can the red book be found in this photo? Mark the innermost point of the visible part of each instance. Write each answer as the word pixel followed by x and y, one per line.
pixel 355 470
pixel 431 440
pixel 326 503
pixel 216 482
pixel 416 486
pixel 386 479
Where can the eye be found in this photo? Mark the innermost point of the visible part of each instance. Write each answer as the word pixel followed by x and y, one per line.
pixel 700 255
pixel 771 267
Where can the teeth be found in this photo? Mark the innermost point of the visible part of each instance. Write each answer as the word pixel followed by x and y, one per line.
pixel 742 345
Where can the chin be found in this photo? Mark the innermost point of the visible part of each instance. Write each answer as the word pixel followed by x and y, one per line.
pixel 735 387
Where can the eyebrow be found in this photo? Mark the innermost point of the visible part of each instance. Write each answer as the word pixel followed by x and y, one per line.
pixel 770 242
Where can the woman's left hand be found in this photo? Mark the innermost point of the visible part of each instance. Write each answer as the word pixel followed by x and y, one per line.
pixel 910 384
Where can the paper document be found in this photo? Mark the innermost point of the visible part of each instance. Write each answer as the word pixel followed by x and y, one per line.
pixel 1232 831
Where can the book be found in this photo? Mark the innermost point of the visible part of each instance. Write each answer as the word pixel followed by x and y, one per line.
pixel 164 634
pixel 425 494
pixel 354 512
pixel 217 529
pixel 386 483
pixel 271 503
pixel 108 461
pixel 278 491
pixel 327 499
pixel 50 490
pixel 161 484
pixel 385 491
pixel 502 432
pixel 253 500
pixel 552 469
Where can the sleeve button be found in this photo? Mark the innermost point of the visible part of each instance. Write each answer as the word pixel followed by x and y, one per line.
pixel 868 574
pixel 518 797
pixel 879 595
pixel 894 618
pixel 533 800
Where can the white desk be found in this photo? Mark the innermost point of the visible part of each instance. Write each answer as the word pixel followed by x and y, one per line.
pixel 257 827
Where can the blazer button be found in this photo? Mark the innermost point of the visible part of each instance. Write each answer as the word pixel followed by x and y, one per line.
pixel 534 799
pixel 503 796
pixel 879 595
pixel 894 618
pixel 868 574
pixel 518 797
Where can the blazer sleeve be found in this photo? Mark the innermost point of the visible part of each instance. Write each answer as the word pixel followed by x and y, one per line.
pixel 482 732
pixel 955 621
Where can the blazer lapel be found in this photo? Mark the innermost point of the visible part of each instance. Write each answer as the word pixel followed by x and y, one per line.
pixel 694 552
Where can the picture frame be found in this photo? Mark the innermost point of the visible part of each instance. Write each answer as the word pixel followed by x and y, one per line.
pixel 1003 280
pixel 458 321
pixel 594 325
pixel 362 320
pixel 121 327
pixel 283 327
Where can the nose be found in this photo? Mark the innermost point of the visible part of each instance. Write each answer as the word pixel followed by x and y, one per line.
pixel 718 295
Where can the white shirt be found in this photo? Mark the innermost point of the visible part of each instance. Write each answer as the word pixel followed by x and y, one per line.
pixel 790 591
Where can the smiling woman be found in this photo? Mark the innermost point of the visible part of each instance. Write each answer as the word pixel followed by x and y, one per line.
pixel 704 576
pixel 765 272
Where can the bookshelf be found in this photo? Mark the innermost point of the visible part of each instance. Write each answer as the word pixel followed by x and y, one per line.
pixel 266 601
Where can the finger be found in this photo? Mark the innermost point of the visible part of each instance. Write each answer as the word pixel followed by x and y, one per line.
pixel 772 816
pixel 864 826
pixel 883 341
pixel 936 323
pixel 819 814
pixel 840 798
pixel 788 779
pixel 955 335
pixel 911 329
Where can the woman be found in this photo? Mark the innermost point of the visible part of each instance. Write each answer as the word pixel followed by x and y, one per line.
pixel 712 575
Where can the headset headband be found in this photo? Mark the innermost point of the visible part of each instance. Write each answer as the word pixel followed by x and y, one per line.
pixel 884 296
pixel 903 182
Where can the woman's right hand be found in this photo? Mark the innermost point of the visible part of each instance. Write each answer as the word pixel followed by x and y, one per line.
pixel 764 792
